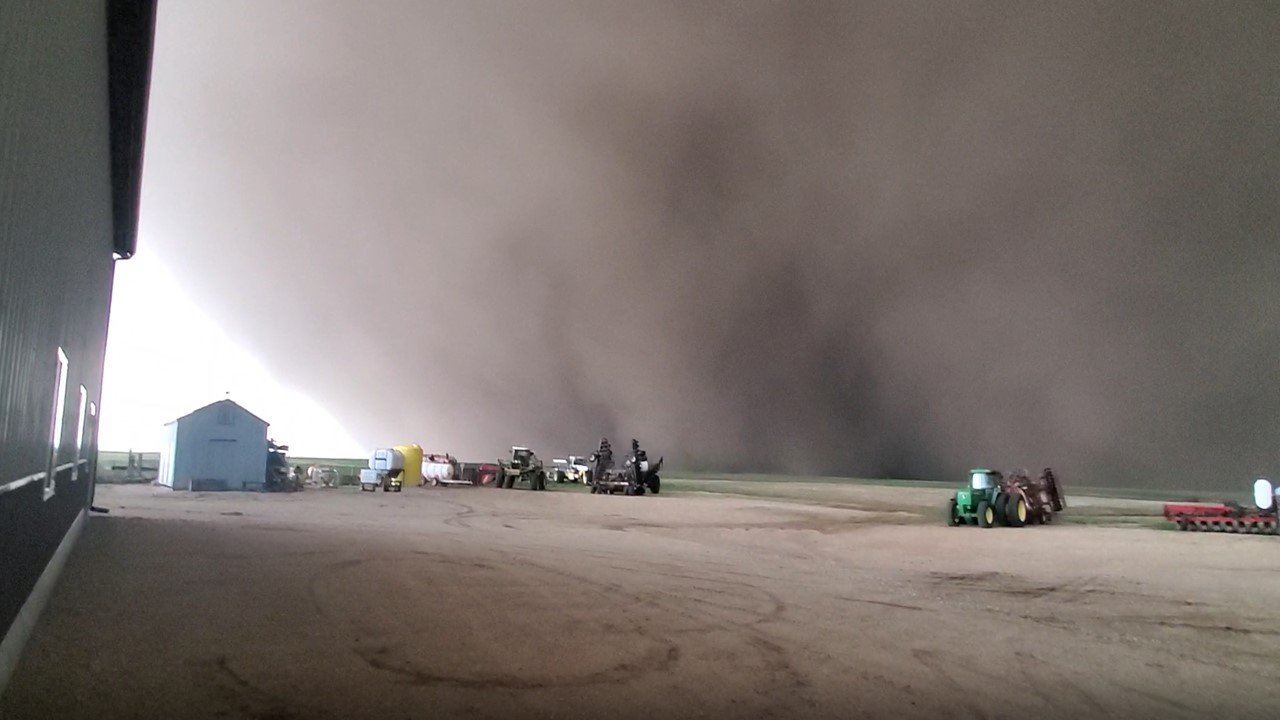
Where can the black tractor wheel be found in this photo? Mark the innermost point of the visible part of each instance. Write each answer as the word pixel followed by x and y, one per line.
pixel 953 514
pixel 1015 511
pixel 998 507
pixel 541 480
pixel 986 514
pixel 655 483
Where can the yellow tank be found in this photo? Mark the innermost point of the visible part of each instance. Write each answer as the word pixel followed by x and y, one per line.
pixel 412 476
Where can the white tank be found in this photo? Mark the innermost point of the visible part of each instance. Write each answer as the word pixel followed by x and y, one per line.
pixel 386 459
pixel 437 467
pixel 1263 495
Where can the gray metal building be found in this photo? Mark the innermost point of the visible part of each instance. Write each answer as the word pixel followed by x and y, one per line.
pixel 74 79
pixel 221 446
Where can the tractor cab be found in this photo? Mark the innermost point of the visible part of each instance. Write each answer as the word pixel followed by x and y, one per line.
pixel 521 457
pixel 983 479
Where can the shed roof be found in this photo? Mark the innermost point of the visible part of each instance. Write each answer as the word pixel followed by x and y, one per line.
pixel 220 402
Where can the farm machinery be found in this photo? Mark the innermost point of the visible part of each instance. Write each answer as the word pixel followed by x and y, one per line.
pixel 279 478
pixel 392 468
pixel 524 466
pixel 992 498
pixel 1230 517
pixel 444 470
pixel 574 469
pixel 636 477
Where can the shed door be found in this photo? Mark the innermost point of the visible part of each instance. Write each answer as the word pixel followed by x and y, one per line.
pixel 220 463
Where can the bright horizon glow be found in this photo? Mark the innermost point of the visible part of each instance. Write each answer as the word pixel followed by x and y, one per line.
pixel 166 357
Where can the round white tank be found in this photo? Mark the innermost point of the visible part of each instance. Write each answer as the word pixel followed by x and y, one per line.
pixel 1263 494
pixel 436 470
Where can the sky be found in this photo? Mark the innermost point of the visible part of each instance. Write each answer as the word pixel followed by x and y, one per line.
pixel 879 238
pixel 166 357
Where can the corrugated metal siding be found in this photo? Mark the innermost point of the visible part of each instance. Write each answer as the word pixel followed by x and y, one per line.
pixel 55 264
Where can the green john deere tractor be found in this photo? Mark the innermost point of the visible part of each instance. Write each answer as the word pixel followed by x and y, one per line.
pixel 976 504
pixel 992 498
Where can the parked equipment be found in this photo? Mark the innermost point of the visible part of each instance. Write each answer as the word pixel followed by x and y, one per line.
pixel 1230 517
pixel 574 469
pixel 636 476
pixel 524 466
pixel 322 476
pixel 386 470
pixel 443 470
pixel 992 498
pixel 279 479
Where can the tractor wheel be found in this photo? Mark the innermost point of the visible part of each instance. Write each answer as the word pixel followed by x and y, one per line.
pixel 541 478
pixel 511 482
pixel 435 482
pixel 1016 511
pixel 1001 500
pixel 953 515
pixel 654 484
pixel 986 514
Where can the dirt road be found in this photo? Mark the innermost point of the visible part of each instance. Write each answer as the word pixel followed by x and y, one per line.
pixel 478 603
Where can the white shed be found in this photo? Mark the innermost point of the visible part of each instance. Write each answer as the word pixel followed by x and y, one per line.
pixel 221 446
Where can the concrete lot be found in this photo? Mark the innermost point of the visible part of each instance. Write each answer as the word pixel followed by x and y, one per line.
pixel 479 603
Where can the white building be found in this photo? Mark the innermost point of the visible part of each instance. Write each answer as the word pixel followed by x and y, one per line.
pixel 221 446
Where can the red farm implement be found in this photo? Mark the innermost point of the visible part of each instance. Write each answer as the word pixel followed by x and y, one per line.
pixel 1229 517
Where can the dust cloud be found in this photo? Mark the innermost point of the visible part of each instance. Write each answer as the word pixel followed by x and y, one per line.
pixel 874 238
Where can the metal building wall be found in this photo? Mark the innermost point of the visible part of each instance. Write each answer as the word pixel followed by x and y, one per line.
pixel 55 267
pixel 70 150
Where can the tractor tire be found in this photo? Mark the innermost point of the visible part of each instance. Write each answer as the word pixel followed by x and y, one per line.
pixel 998 506
pixel 1016 511
pixel 511 482
pixel 655 483
pixel 986 514
pixel 541 480
pixel 953 514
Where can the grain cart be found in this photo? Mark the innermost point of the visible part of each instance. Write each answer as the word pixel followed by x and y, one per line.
pixel 524 466
pixel 1230 517
pixel 992 498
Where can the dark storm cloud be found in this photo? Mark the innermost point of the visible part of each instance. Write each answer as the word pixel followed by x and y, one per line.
pixel 861 238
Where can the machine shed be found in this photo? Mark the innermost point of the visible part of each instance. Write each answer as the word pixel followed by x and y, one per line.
pixel 221 446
